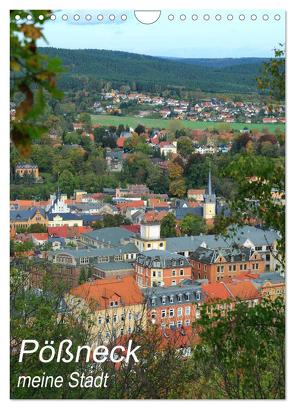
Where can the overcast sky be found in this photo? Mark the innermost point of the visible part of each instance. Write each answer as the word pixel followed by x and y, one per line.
pixel 195 39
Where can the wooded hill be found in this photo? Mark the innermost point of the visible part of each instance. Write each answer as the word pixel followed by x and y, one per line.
pixel 92 68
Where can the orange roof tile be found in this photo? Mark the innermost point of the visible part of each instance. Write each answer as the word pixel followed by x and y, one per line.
pixel 40 236
pixel 244 290
pixel 216 291
pixel 102 291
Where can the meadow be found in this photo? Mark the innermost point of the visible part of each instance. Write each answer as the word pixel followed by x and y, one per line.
pixel 132 121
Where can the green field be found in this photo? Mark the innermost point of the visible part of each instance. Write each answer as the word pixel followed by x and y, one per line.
pixel 164 123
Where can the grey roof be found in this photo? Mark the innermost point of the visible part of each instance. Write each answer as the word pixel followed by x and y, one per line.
pixel 151 258
pixel 274 278
pixel 191 243
pixel 259 237
pixel 114 235
pixel 180 213
pixel 154 295
pixel 234 254
pixel 113 266
pixel 64 216
pixel 92 253
pixel 24 215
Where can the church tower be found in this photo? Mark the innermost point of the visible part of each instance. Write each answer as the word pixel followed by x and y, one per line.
pixel 209 207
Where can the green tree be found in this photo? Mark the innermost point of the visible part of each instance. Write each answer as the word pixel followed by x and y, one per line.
pixel 168 226
pixel 192 225
pixel 241 354
pixel 185 147
pixel 32 75
pixel 67 182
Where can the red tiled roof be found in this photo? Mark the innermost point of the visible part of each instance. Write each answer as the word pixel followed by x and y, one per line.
pixel 243 290
pixel 216 291
pixel 40 236
pixel 152 215
pixel 133 228
pixel 102 291
pixel 121 141
pixel 66 231
pixel 132 204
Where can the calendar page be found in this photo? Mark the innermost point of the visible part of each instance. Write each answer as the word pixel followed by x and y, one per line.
pixel 147 204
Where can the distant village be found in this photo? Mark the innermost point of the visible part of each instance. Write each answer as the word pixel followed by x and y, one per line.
pixel 211 110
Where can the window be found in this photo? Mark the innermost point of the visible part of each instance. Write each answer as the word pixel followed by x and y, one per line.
pixel 179 324
pixel 164 299
pixel 129 330
pixel 205 267
pixel 153 315
pixel 220 269
pixel 119 258
pixel 154 273
pixel 129 316
pixel 187 323
pixel 181 272
pixel 107 319
pixel 171 299
pixel 114 303
pixel 198 296
pixel 171 312
pixel 173 282
pixel 149 245
pixel 179 297
pixel 179 312
pixel 100 320
pixel 255 266
pixel 115 318
pixel 159 274
pixel 173 273
pixel 163 314
pixel 198 314
pixel 181 262
pixel 123 317
pixel 187 297
pixel 232 267
pixel 187 310
pixel 153 301
pixel 171 324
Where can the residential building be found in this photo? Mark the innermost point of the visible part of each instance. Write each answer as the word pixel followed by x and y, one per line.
pixel 22 169
pixel 161 268
pixel 22 219
pixel 224 264
pixel 115 307
pixel 174 306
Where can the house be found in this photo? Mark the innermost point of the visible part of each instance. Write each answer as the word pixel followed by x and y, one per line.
pixel 39 238
pixel 22 169
pixel 168 148
pixel 25 218
pixel 112 269
pixel 174 306
pixel 107 237
pixel 224 264
pixel 270 285
pixel 196 194
pixel 161 268
pixel 115 306
pixel 64 219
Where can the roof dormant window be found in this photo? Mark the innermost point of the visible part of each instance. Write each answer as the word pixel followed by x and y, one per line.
pixel 181 262
pixel 114 303
pixel 186 296
pixel 179 297
pixel 171 299
pixel 163 299
pixel 154 301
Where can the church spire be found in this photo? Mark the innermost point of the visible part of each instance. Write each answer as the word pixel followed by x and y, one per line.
pixel 209 182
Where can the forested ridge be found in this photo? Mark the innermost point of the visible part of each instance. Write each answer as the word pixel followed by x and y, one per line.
pixel 89 67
